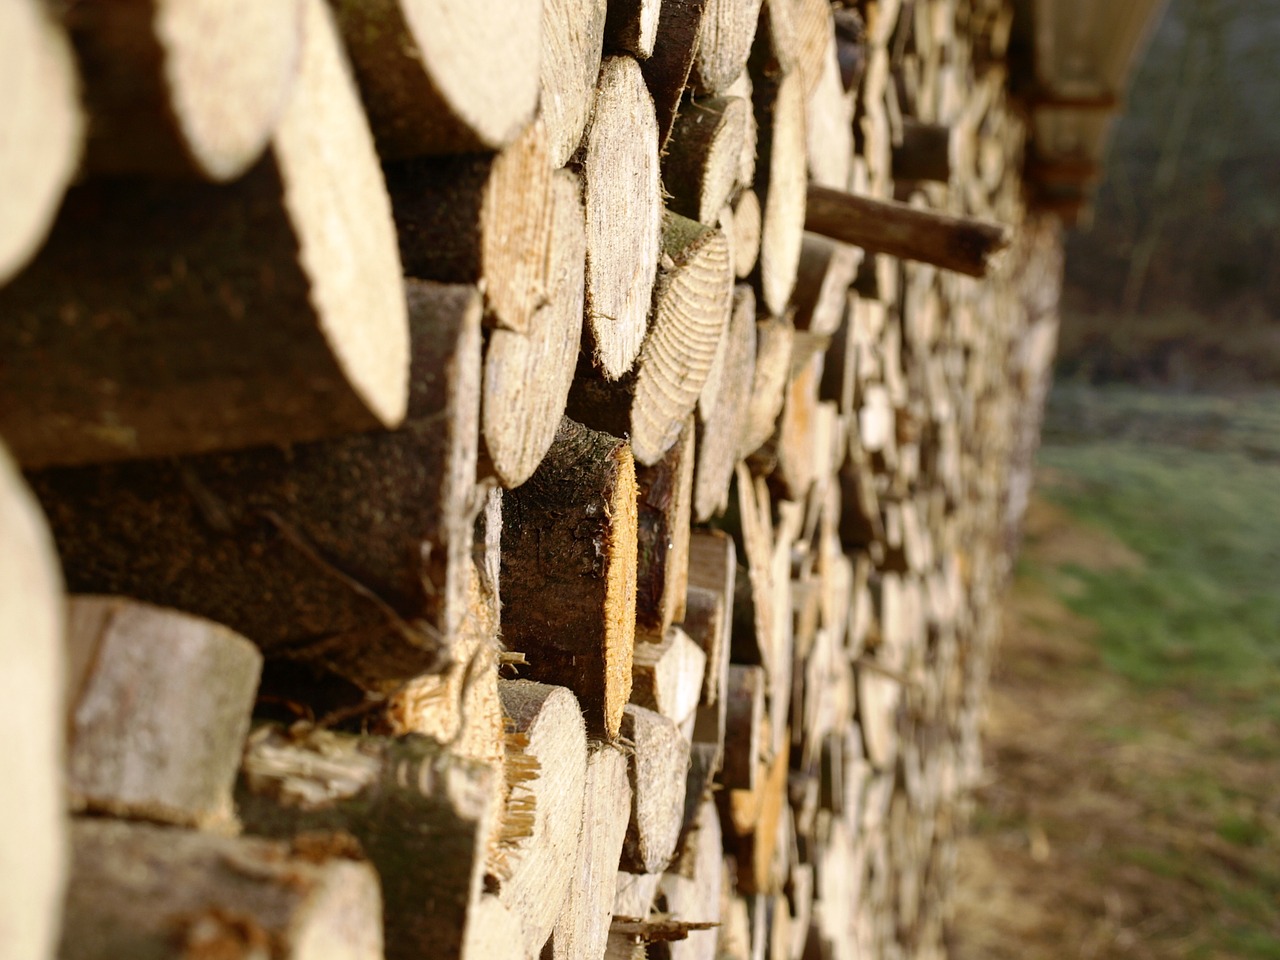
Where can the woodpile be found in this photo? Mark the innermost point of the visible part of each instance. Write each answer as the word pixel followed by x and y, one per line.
pixel 533 479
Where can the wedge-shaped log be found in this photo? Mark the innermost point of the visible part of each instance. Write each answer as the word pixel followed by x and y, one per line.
pixel 134 668
pixel 41 128
pixel 444 76
pixel 569 571
pixel 572 45
pixel 667 677
pixel 885 226
pixel 352 554
pixel 632 27
pixel 204 317
pixel 421 814
pixel 702 161
pixel 33 828
pixel 657 773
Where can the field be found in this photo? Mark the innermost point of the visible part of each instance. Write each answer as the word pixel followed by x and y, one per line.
pixel 1133 803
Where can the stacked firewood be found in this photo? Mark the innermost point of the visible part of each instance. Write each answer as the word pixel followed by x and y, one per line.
pixel 532 478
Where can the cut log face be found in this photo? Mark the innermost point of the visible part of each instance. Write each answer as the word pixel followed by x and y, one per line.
pixel 692 886
pixel 180 356
pixel 569 571
pixel 33 839
pixel 668 676
pixel 41 128
pixel 572 45
pixel 444 76
pixel 657 772
pixel 632 27
pixel 624 215
pixel 702 164
pixel 352 555
pixel 721 437
pixel 746 234
pixel 145 891
pixel 774 339
pixel 728 27
pixel 781 176
pixel 134 669
pixel 191 89
pixel 494 933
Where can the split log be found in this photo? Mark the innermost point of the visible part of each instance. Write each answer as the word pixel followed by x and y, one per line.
pixel 664 506
pixel 549 724
pixel 728 27
pixel 443 76
pixel 924 153
pixel 583 927
pixel 774 339
pixel 41 129
pixel 144 891
pixel 371 788
pixel 192 89
pixel 746 233
pixel 527 376
pixel 827 270
pixel 692 301
pixel 780 179
pixel 32 819
pixel 351 555
pixel 667 677
pixel 160 346
pixel 666 71
pixel 721 436
pixel 692 884
pixel 624 215
pixel 657 773
pixel 713 567
pixel 134 668
pixel 702 161
pixel 899 230
pixel 573 34
pixel 744 721
pixel 569 571
pixel 632 27
pixel 763 808
pixel 482 219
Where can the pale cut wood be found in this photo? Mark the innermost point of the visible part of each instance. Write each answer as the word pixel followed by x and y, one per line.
pixel 829 124
pixel 744 700
pixel 133 669
pixel 634 893
pixel 692 886
pixel 720 438
pixel 750 140
pixel 527 376
pixel 484 219
pixel 33 829
pixel 885 226
pixel 183 88
pixel 542 865
pixel 573 34
pixel 728 27
pixel 582 929
pixel 569 543
pixel 352 555
pixel 370 788
pixel 703 157
pixel 41 128
pixel 666 71
pixel 780 178
pixel 632 27
pixel 746 233
pixel 657 771
pixel 444 76
pixel 774 339
pixel 624 215
pixel 827 270
pixel 494 933
pixel 667 677
pixel 216 356
pixel 767 805
pixel 814 28
pixel 160 892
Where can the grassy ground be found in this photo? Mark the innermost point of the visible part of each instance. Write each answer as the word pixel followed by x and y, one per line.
pixel 1134 734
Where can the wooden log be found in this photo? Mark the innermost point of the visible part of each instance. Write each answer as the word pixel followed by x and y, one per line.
pixel 482 219
pixel 703 158
pixel 160 346
pixel 443 76
pixel 774 339
pixel 780 179
pixel 146 891
pixel 728 27
pixel 713 565
pixel 41 129
pixel 370 788
pixel 634 893
pixel 827 270
pixel 744 703
pixel 667 677
pixel 692 885
pixel 351 555
pixel 134 668
pixel 664 506
pixel 924 152
pixel 829 116
pixel 624 215
pixel 569 571
pixel 573 34
pixel 33 835
pixel 666 71
pixel 746 233
pixel 527 376
pixel 549 723
pixel 756 847
pixel 721 436
pixel 494 932
pixel 899 230
pixel 657 774
pixel 184 89
pixel 632 27
pixel 582 929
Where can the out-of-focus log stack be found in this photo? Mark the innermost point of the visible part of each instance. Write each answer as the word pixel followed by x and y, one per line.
pixel 519 521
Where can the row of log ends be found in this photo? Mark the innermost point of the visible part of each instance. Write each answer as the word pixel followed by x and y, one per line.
pixel 504 478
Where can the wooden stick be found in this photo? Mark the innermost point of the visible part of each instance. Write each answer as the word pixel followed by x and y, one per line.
pixel 33 828
pixel 145 891
pixel 573 34
pixel 41 128
pixel 569 570
pixel 134 669
pixel 267 311
pixel 897 229
pixel 657 773
pixel 443 76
